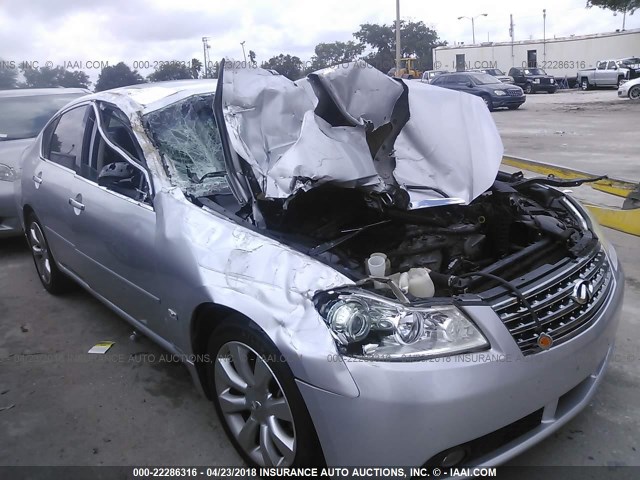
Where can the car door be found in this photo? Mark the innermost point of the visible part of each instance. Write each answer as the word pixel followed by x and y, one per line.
pixel 600 75
pixel 64 143
pixel 517 76
pixel 612 73
pixel 115 222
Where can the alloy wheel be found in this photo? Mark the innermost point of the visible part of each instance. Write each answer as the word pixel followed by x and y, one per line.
pixel 254 405
pixel 40 252
pixel 634 92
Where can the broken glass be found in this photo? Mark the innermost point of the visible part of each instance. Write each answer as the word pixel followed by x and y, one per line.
pixel 187 137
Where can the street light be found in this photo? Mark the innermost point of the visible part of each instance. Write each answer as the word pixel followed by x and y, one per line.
pixel 244 54
pixel 473 25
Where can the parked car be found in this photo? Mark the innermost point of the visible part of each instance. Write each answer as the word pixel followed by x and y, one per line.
pixel 608 73
pixel 23 113
pixel 533 80
pixel 494 93
pixel 431 74
pixel 320 290
pixel 499 74
pixel 630 89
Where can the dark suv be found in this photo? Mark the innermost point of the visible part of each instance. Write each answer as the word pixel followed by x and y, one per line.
pixel 533 80
pixel 494 93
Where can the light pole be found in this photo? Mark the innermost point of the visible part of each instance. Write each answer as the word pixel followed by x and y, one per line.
pixel 473 24
pixel 244 54
pixel 544 35
pixel 398 50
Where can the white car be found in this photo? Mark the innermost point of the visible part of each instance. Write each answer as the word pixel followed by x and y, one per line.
pixel 630 89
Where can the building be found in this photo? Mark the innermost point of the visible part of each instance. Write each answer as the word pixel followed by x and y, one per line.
pixel 561 57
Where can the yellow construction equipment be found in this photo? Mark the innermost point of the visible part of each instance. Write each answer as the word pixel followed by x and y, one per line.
pixel 625 219
pixel 406 69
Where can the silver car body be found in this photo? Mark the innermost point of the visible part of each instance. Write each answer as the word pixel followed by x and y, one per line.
pixel 30 109
pixel 624 90
pixel 159 264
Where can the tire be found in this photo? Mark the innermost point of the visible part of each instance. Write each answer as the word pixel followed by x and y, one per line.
pixel 528 88
pixel 488 102
pixel 620 79
pixel 513 107
pixel 634 93
pixel 584 84
pixel 553 91
pixel 52 279
pixel 240 352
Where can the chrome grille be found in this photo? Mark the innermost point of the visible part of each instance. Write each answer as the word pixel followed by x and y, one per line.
pixel 512 92
pixel 560 315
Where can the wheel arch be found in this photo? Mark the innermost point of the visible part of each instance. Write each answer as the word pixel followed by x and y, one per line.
pixel 206 318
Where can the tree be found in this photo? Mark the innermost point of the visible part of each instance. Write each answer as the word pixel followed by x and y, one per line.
pixel 621 6
pixel 119 75
pixel 196 67
pixel 335 53
pixel 8 75
pixel 417 40
pixel 171 71
pixel 51 77
pixel 287 65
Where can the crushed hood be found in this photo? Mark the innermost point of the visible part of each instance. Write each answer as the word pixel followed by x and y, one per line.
pixel 351 125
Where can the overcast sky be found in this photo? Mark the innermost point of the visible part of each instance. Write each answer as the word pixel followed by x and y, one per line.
pixel 146 30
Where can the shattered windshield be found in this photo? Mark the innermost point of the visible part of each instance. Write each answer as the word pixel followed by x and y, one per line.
pixel 187 137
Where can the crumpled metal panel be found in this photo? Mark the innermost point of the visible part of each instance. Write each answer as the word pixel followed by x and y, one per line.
pixel 450 141
pixel 361 92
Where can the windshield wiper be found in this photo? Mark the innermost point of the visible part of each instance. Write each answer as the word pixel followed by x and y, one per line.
pixel 196 179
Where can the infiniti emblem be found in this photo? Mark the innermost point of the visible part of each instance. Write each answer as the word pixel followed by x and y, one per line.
pixel 582 292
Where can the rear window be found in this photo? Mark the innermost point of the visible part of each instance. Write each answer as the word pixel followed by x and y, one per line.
pixel 24 117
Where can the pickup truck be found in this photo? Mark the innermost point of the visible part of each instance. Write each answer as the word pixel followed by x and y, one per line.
pixel 608 73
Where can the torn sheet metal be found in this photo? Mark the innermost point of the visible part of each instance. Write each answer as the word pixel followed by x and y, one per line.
pixel 296 137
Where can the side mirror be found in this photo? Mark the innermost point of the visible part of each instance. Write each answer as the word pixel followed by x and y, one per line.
pixel 117 174
pixel 470 84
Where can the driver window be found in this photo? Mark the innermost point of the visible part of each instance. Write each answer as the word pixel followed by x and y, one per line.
pixel 611 66
pixel 110 169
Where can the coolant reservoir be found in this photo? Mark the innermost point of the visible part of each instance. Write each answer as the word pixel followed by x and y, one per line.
pixel 420 283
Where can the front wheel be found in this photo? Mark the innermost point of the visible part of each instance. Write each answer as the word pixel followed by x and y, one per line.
pixel 634 93
pixel 488 102
pixel 584 84
pixel 528 89
pixel 52 279
pixel 257 400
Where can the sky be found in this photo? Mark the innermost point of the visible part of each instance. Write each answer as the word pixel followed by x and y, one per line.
pixel 88 34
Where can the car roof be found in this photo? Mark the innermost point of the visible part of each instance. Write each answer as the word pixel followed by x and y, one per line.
pixel 32 92
pixel 147 97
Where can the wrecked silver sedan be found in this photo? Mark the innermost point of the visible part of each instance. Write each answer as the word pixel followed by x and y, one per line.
pixel 338 261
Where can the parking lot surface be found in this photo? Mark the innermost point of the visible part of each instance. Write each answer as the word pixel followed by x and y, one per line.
pixel 135 406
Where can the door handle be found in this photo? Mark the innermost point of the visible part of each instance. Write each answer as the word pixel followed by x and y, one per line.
pixel 76 204
pixel 38 180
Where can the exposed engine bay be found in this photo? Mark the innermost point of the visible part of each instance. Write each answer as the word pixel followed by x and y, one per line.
pixel 512 228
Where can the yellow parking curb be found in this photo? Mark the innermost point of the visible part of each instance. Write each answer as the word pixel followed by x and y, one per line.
pixel 624 220
pixel 627 221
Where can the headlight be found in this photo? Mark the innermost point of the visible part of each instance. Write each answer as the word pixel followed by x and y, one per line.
pixel 365 325
pixel 553 80
pixel 7 174
pixel 536 80
pixel 500 93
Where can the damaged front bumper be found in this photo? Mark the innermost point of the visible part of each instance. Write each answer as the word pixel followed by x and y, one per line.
pixel 488 406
